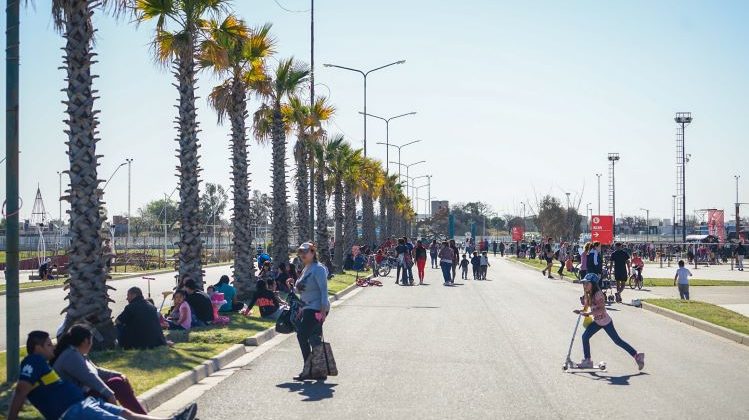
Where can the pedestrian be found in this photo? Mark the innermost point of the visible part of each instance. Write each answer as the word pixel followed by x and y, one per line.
pixel 622 267
pixel 740 254
pixel 410 260
pixel 434 250
pixel 483 265
pixel 420 254
pixel 495 246
pixel 464 267
pixel 502 249
pixel 446 256
pixel 312 287
pixel 594 259
pixel 682 277
pixel 595 303
pixel 456 258
pixel 548 256
pixel 584 260
pixel 400 252
pixel 562 257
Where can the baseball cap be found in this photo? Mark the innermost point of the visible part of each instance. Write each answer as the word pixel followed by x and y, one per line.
pixel 592 277
pixel 306 247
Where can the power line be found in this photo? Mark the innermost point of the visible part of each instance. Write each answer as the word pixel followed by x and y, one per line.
pixel 289 10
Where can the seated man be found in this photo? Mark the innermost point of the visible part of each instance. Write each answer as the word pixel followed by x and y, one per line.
pixel 139 324
pixel 57 399
pixel 199 302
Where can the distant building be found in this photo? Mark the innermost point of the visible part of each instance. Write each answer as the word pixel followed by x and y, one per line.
pixel 439 206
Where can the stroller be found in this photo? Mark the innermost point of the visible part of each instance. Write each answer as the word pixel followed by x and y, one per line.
pixel 608 287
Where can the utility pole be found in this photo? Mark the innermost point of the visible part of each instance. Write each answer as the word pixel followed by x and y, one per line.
pixel 311 204
pixel 129 178
pixel 12 314
pixel 647 224
pixel 738 218
pixel 599 192
pixel 682 119
pixel 674 221
pixel 59 198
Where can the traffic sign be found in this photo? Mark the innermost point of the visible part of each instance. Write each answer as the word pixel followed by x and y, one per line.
pixel 517 233
pixel 602 229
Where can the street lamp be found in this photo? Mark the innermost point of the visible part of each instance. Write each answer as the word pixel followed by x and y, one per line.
pixel 428 184
pixel 387 133
pixel 674 221
pixel 738 219
pixel 167 199
pixel 647 224
pixel 113 174
pixel 408 167
pixel 599 192
pixel 399 153
pixel 364 75
pixel 59 190
pixel 129 162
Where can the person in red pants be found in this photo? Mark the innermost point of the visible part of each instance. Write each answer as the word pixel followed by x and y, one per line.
pixel 72 364
pixel 421 259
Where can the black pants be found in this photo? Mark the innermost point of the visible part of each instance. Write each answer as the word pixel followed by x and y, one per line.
pixel 309 332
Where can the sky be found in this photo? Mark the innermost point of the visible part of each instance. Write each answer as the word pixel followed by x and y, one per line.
pixel 514 99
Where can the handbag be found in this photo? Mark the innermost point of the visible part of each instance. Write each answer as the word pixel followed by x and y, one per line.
pixel 329 359
pixel 320 362
pixel 284 324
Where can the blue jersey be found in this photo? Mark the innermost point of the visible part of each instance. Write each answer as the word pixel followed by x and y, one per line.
pixel 51 395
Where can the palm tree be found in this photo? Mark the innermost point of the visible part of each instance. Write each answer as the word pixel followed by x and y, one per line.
pixel 390 189
pixel 237 54
pixel 88 293
pixel 351 191
pixel 270 122
pixel 298 114
pixel 371 186
pixel 337 153
pixel 181 27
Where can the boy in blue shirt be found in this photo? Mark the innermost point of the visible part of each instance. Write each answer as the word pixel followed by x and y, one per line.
pixel 57 399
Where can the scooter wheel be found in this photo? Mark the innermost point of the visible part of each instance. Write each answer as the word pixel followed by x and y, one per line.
pixel 564 368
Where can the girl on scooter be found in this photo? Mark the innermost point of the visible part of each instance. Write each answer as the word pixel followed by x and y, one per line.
pixel 595 300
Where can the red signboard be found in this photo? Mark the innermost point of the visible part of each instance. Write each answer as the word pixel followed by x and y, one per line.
pixel 602 229
pixel 716 224
pixel 517 233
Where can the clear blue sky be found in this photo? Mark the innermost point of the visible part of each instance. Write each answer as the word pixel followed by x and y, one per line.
pixel 514 99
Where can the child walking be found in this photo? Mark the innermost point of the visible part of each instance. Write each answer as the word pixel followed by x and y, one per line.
pixel 595 300
pixel 476 265
pixel 484 265
pixel 464 267
pixel 682 276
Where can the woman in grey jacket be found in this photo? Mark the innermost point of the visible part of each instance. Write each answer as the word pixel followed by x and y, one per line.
pixel 72 364
pixel 312 287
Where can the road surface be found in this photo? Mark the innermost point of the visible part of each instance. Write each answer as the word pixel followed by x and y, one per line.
pixel 40 310
pixel 489 349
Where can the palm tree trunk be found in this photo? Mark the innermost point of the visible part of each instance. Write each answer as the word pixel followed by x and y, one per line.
pixel 88 293
pixel 322 239
pixel 384 231
pixel 350 233
pixel 280 231
pixel 311 192
pixel 339 241
pixel 368 223
pixel 302 191
pixel 190 242
pixel 244 270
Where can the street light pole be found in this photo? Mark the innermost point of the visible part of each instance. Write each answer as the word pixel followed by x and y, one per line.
pixel 599 192
pixel 59 198
pixel 674 221
pixel 408 167
pixel 387 134
pixel 129 178
pixel 738 218
pixel 647 224
pixel 399 153
pixel 364 75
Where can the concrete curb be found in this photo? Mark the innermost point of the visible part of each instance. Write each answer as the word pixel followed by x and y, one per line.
pixel 698 323
pixel 162 393
pixel 125 277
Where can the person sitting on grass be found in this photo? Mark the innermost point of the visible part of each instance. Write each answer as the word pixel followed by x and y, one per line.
pixel 180 317
pixel 230 295
pixel 139 325
pixel 56 398
pixel 267 300
pixel 72 364
pixel 199 302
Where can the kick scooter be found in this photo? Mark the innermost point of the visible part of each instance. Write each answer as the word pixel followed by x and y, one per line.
pixel 569 364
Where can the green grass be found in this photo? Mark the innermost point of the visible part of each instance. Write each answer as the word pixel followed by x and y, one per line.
pixel 342 281
pixel 647 282
pixel 25 255
pixel 706 312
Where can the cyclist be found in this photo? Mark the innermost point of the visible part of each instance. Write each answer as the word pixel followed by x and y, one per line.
pixel 638 265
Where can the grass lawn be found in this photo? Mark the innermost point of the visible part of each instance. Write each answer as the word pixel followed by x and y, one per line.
pixel 342 281
pixel 706 312
pixel 647 282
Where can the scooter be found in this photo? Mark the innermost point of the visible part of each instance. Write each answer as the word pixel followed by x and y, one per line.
pixel 569 364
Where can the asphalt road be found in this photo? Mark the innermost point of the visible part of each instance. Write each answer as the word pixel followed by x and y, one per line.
pixel 40 310
pixel 489 349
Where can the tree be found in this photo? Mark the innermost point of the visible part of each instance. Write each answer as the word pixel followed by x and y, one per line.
pixel 551 218
pixel 213 202
pixel 260 206
pixel 371 184
pixel 352 179
pixel 155 209
pixel 181 26
pixel 88 293
pixel 298 114
pixel 238 54
pixel 338 158
pixel 270 123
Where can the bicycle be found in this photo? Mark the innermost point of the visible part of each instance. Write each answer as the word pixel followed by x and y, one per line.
pixel 368 281
pixel 635 279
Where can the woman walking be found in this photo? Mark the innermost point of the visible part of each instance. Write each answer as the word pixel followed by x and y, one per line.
pixel 434 250
pixel 584 260
pixel 595 300
pixel 446 256
pixel 312 287
pixel 420 254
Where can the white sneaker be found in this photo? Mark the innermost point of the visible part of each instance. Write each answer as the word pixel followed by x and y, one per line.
pixel 585 364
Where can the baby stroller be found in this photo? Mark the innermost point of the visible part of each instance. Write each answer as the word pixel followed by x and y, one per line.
pixel 607 286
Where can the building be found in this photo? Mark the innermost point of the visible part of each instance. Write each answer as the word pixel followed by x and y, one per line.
pixel 440 206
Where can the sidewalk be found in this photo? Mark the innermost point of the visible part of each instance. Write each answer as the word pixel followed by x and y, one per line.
pixel 713 272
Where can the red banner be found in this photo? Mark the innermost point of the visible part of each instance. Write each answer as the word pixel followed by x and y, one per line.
pixel 517 233
pixel 602 229
pixel 716 224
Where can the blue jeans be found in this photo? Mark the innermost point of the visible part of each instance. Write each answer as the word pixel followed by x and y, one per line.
pixel 611 331
pixel 93 409
pixel 446 271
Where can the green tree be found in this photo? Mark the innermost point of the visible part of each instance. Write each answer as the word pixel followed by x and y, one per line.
pixel 551 218
pixel 181 27
pixel 213 202
pixel 88 294
pixel 154 210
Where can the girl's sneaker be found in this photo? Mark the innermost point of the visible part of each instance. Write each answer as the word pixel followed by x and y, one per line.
pixel 585 364
pixel 640 359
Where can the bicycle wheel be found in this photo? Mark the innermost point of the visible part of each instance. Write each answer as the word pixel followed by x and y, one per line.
pixel 384 270
pixel 639 283
pixel 631 284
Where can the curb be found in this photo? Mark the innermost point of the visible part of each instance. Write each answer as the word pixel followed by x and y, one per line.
pixel 162 393
pixel 124 277
pixel 698 323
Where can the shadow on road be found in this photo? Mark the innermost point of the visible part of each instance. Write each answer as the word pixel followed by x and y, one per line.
pixel 612 380
pixel 312 391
